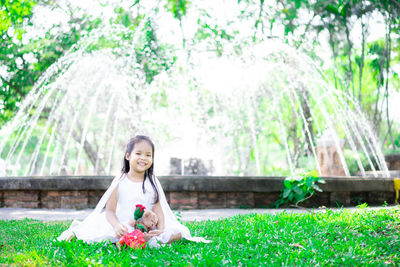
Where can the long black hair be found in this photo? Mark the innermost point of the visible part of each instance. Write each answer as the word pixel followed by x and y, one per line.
pixel 149 173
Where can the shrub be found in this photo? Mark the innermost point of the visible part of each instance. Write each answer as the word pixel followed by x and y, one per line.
pixel 299 188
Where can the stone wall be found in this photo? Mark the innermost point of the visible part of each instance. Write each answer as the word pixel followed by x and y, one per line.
pixel 393 161
pixel 191 192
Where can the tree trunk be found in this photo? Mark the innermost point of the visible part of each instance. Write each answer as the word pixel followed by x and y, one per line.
pixel 363 33
pixel 259 20
pixel 388 51
pixel 334 54
pixel 308 123
pixel 377 114
pixel 90 149
pixel 349 50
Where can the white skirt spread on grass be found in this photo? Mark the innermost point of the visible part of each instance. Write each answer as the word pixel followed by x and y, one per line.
pixel 96 228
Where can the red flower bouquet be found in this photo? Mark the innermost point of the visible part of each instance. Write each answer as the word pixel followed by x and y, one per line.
pixel 134 239
pixel 139 211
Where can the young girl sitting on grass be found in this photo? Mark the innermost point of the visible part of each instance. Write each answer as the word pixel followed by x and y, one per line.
pixel 136 185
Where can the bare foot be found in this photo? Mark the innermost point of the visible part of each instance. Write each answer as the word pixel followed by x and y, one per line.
pixel 174 238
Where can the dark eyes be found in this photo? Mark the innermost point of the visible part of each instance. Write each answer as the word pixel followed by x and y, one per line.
pixel 138 153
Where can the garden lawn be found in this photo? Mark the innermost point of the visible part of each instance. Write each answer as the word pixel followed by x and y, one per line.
pixel 346 237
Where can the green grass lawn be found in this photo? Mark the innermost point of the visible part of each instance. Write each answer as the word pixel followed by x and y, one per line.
pixel 360 237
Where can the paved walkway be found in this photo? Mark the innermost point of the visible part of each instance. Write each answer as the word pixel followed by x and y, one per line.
pixel 70 214
pixel 186 215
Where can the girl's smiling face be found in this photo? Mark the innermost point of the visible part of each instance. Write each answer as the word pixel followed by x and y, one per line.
pixel 141 157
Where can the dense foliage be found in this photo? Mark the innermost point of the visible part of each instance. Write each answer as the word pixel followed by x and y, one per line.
pixel 23 57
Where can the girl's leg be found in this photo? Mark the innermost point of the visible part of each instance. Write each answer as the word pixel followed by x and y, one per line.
pixel 174 238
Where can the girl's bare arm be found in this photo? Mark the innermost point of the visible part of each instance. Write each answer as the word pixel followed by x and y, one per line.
pixel 158 210
pixel 111 207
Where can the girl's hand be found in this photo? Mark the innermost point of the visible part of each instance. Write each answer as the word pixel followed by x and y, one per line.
pixel 151 234
pixel 120 230
pixel 155 232
pixel 132 223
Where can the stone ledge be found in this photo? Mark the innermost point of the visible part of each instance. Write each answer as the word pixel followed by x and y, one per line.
pixel 192 192
pixel 56 183
pixel 362 184
pixel 222 183
pixel 197 183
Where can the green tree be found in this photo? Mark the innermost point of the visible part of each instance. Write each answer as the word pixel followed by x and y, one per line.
pixel 338 18
pixel 14 16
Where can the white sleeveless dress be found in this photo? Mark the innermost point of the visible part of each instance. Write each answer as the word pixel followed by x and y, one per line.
pixel 96 228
